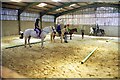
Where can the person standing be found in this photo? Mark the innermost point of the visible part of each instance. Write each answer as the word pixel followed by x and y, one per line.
pixel 68 28
pixel 65 34
pixel 82 32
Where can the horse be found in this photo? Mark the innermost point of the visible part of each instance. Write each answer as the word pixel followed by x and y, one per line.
pixel 91 31
pixel 28 33
pixel 55 33
pixel 100 32
pixel 71 31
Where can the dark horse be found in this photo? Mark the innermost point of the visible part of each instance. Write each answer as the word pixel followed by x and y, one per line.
pixel 98 32
pixel 71 31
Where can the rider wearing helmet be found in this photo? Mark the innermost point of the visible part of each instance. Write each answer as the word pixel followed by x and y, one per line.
pixel 58 29
pixel 37 29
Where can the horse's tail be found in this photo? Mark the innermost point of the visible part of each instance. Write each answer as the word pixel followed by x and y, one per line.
pixel 21 33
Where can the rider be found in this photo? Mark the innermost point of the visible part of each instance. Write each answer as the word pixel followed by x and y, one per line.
pixel 58 29
pixel 37 29
pixel 97 28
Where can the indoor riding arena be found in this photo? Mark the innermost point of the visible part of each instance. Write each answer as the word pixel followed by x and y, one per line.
pixel 92 51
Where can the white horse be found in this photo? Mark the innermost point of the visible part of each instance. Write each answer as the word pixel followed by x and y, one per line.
pixel 91 31
pixel 28 33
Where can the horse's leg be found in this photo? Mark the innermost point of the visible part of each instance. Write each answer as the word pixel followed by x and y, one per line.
pixel 70 36
pixel 42 40
pixel 25 41
pixel 65 39
pixel 51 37
pixel 54 37
pixel 61 37
pixel 29 41
pixel 103 33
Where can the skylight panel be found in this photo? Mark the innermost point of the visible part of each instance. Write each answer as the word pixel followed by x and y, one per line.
pixel 16 0
pixel 41 4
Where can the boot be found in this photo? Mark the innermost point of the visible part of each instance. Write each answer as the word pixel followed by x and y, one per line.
pixel 38 35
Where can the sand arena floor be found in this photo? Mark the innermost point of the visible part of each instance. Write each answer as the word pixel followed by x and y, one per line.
pixel 63 60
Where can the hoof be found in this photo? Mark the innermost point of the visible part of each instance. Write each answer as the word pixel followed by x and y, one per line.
pixel 65 41
pixel 25 46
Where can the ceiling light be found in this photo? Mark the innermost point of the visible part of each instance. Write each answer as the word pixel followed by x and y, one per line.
pixel 16 0
pixel 41 4
pixel 72 5
pixel 56 0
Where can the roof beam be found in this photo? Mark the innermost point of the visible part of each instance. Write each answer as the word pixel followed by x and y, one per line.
pixel 73 10
pixel 64 3
pixel 93 5
pixel 50 3
pixel 9 6
pixel 57 7
pixel 28 6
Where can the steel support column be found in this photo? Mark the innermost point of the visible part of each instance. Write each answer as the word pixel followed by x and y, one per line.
pixel 55 21
pixel 19 24
pixel 41 21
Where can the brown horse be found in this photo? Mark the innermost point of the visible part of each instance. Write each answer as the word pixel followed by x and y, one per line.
pixel 71 31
